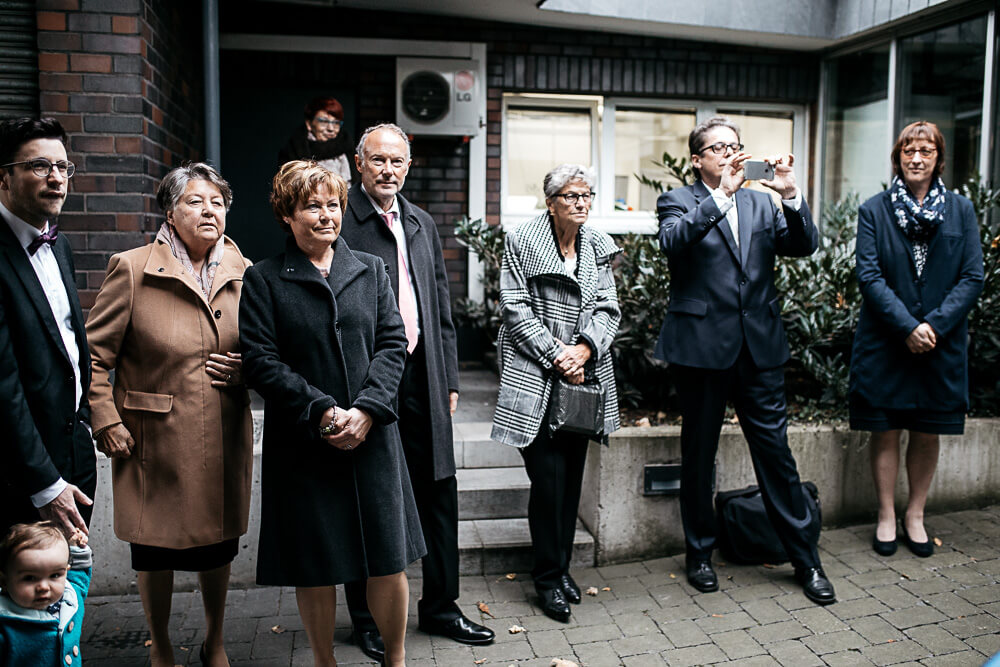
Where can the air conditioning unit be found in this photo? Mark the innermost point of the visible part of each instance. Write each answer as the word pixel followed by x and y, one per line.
pixel 439 96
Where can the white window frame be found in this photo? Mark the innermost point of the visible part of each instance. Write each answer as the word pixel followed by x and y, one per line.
pixel 602 109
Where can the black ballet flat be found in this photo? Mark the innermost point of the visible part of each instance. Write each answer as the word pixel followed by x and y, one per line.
pixel 919 549
pixel 886 548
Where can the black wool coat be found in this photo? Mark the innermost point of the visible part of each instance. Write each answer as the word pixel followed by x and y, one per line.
pixel 366 231
pixel 327 516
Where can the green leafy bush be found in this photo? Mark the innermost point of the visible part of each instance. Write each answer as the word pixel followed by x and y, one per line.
pixel 984 320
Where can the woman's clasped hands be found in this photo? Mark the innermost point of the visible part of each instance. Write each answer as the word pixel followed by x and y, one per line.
pixel 571 360
pixel 345 429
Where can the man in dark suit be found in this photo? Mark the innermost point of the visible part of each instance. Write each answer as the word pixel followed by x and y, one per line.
pixel 48 468
pixel 723 336
pixel 378 220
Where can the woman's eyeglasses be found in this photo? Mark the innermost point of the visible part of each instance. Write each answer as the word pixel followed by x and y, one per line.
pixel 43 167
pixel 573 197
pixel 332 122
pixel 924 152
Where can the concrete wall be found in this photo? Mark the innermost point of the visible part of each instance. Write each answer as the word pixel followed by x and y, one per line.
pixel 628 525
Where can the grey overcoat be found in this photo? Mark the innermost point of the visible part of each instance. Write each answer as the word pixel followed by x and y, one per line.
pixel 327 516
pixel 540 302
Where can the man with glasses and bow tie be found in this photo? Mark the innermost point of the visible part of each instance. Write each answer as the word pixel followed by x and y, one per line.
pixel 723 337
pixel 47 460
pixel 380 221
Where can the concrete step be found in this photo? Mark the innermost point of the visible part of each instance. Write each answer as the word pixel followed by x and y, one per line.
pixel 474 449
pixel 492 493
pixel 497 546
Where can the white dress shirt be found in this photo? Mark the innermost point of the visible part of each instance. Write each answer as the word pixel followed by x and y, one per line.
pixel 400 234
pixel 47 270
pixel 727 206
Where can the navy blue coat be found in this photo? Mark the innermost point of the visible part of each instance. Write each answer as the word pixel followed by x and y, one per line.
pixel 721 295
pixel 895 301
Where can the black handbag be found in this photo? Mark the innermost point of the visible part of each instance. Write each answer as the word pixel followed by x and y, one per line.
pixel 745 533
pixel 578 408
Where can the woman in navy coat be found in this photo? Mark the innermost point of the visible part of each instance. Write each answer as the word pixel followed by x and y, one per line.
pixel 920 270
pixel 324 345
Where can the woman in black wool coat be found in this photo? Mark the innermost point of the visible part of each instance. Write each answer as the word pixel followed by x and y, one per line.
pixel 325 346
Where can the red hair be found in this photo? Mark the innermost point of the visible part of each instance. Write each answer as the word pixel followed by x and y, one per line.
pixel 327 104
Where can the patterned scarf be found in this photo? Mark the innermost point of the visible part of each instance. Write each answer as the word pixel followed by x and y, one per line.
pixel 204 278
pixel 918 222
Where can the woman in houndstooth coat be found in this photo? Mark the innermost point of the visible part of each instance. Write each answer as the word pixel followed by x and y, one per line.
pixel 560 316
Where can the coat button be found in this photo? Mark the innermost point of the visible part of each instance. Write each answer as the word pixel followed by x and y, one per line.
pixel 69 426
pixel 70 626
pixel 160 270
pixel 76 650
pixel 743 281
pixel 69 659
pixel 744 313
pixel 218 314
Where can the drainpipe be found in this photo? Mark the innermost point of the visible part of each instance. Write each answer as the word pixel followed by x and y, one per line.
pixel 210 45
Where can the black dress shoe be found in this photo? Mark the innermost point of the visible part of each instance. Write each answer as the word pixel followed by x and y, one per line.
pixel 554 604
pixel 701 575
pixel 570 589
pixel 458 628
pixel 886 548
pixel 921 549
pixel 815 585
pixel 370 643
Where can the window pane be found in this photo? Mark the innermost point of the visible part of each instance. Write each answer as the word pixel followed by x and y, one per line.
pixel 537 141
pixel 764 133
pixel 941 80
pixel 641 138
pixel 857 141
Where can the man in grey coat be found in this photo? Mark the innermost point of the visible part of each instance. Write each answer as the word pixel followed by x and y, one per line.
pixel 378 220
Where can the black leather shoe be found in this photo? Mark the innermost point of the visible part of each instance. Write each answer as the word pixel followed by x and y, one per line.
pixel 554 604
pixel 570 589
pixel 886 548
pixel 458 628
pixel 701 575
pixel 370 643
pixel 921 549
pixel 815 585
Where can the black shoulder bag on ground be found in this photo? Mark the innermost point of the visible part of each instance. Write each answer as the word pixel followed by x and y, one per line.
pixel 578 408
pixel 745 531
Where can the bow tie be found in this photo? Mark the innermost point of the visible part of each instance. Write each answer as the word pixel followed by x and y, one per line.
pixel 54 607
pixel 48 237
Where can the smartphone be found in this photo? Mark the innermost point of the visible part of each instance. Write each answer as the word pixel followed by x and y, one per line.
pixel 758 170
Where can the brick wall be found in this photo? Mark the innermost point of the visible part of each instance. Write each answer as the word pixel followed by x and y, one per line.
pixel 124 79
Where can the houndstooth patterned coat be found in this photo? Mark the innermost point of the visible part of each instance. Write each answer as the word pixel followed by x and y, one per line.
pixel 541 302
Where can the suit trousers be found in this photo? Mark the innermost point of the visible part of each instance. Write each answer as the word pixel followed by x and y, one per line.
pixel 555 467
pixel 437 505
pixel 759 398
pixel 16 508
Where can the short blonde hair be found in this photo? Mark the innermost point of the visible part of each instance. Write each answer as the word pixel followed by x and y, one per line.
pixel 22 536
pixel 296 181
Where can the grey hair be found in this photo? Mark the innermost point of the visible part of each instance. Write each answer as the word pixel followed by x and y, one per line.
pixel 176 181
pixel 392 127
pixel 557 179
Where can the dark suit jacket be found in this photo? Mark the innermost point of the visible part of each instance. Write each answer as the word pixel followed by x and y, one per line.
pixel 895 300
pixel 364 230
pixel 722 296
pixel 38 414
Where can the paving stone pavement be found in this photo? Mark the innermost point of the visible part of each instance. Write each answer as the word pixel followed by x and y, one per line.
pixel 902 610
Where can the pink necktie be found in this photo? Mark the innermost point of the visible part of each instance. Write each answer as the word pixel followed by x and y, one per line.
pixel 407 302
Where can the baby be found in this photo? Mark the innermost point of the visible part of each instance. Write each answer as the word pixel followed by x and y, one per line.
pixel 43 582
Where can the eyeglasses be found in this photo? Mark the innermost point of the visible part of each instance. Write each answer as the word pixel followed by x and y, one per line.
pixel 924 152
pixel 332 122
pixel 720 148
pixel 573 197
pixel 43 167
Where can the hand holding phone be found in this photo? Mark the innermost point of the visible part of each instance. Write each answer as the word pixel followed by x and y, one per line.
pixel 758 170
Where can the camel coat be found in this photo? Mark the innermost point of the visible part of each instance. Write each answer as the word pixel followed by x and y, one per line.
pixel 187 482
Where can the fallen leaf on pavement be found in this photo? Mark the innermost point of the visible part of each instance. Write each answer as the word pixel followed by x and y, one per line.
pixel 277 629
pixel 937 541
pixel 511 576
pixel 479 662
pixel 673 576
pixel 514 629
pixel 769 566
pixel 559 662
pixel 592 590
pixel 716 615
pixel 606 588
pixel 485 608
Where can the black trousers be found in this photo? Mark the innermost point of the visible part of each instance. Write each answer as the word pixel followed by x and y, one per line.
pixel 555 467
pixel 437 505
pixel 17 508
pixel 759 398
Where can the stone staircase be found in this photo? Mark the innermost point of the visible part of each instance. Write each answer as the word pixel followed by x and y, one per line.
pixel 493 489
